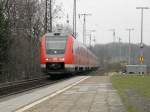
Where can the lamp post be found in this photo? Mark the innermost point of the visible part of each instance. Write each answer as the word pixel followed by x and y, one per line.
pixel 141 44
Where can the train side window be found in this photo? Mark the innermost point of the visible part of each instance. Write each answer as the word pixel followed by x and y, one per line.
pixel 73 49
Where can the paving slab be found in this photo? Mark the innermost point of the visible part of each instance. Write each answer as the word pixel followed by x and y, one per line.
pixel 94 94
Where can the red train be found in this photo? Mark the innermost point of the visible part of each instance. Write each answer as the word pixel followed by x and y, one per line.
pixel 62 53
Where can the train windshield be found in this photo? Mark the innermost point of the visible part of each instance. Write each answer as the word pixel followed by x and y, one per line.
pixel 55 45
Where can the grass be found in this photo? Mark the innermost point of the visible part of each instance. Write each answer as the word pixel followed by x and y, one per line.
pixel 140 84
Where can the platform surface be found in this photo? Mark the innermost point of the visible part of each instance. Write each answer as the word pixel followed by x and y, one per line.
pixel 12 103
pixel 94 94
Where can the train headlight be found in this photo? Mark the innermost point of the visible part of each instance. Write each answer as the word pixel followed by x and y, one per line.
pixel 62 59
pixel 46 59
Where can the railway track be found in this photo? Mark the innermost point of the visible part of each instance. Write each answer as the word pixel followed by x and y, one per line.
pixel 13 88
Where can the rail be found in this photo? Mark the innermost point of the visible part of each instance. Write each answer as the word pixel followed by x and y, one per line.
pixel 8 89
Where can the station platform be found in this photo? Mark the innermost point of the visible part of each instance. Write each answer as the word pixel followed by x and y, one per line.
pixel 93 94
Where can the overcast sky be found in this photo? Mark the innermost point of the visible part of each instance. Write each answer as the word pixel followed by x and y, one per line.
pixel 108 14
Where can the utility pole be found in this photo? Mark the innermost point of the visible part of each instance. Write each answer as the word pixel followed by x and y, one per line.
pixel 48 22
pixel 90 36
pixel 74 19
pixel 94 40
pixel 141 44
pixel 114 34
pixel 129 50
pixel 120 49
pixel 50 11
pixel 84 26
pixel 45 16
pixel 114 37
pixel 90 39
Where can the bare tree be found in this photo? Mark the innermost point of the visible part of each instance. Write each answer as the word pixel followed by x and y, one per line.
pixel 26 26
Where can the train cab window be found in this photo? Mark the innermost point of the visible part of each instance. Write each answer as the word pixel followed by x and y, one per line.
pixel 55 45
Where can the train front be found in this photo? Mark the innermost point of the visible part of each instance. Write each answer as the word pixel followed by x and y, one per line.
pixel 53 48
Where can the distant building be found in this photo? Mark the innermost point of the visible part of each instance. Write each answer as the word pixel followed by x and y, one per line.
pixel 136 69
